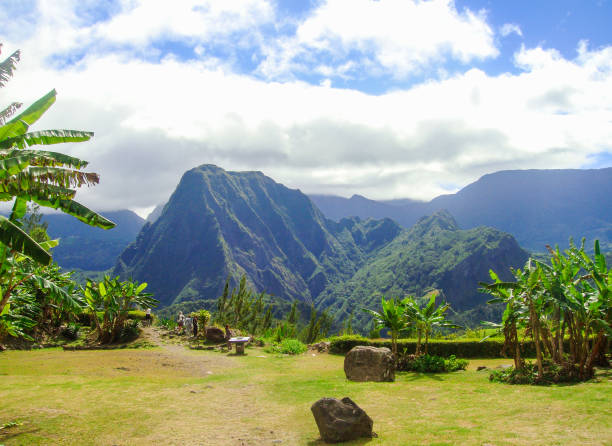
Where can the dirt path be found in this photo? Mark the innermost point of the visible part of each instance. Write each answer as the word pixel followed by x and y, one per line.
pixel 178 356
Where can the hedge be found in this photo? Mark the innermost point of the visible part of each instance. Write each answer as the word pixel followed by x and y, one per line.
pixel 491 348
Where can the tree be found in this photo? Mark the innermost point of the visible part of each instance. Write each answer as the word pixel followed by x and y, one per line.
pixel 114 299
pixel 392 317
pixel 47 178
pixel 573 295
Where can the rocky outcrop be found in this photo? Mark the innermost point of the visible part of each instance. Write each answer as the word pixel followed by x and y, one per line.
pixel 215 334
pixel 341 420
pixel 369 364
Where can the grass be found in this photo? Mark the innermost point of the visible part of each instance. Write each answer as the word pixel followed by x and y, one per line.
pixel 174 396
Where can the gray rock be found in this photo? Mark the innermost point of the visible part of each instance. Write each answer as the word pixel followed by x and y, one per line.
pixel 369 364
pixel 341 420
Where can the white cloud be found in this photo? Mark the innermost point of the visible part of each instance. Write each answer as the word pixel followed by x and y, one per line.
pixel 155 120
pixel 399 36
pixel 509 28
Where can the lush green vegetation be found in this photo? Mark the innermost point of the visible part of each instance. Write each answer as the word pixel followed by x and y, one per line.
pixel 33 293
pixel 569 298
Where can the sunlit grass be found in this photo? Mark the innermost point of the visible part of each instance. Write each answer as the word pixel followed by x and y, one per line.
pixel 158 396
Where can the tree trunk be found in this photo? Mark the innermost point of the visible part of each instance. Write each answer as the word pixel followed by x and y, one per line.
pixel 536 338
pixel 597 346
pixel 418 349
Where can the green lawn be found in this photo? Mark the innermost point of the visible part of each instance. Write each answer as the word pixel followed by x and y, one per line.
pixel 174 396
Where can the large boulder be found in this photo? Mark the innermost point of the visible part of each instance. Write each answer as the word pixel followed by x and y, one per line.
pixel 369 364
pixel 341 420
pixel 215 334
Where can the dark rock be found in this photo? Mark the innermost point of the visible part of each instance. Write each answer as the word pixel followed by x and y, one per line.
pixel 321 347
pixel 481 367
pixel 341 420
pixel 215 334
pixel 369 364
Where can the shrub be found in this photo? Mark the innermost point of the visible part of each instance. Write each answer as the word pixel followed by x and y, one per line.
pixel 168 324
pixel 137 315
pixel 430 364
pixel 288 347
pixel 528 374
pixel 491 348
pixel 71 332
pixel 129 331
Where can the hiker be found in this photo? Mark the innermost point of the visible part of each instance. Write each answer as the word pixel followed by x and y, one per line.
pixel 181 321
pixel 188 326
pixel 228 335
pixel 148 318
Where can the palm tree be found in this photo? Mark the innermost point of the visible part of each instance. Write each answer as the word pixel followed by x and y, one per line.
pixel 391 317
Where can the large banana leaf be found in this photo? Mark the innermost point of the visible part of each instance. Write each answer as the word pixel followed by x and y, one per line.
pixel 39 158
pixel 9 111
pixel 26 185
pixel 7 67
pixel 16 239
pixel 75 209
pixel 22 122
pixel 45 137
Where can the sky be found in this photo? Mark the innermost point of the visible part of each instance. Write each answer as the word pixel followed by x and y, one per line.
pixel 382 98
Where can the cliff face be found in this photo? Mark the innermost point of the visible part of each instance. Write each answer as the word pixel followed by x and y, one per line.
pixel 219 223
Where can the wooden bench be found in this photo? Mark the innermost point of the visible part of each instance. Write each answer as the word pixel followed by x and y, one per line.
pixel 239 342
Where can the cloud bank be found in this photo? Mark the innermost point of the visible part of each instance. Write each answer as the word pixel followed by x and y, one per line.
pixel 238 84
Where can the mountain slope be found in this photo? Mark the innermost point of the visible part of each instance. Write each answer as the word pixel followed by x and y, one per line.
pixel 90 248
pixel 434 253
pixel 219 223
pixel 538 207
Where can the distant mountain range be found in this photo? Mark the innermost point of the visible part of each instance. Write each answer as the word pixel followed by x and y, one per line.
pixel 538 207
pixel 219 224
pixel 89 248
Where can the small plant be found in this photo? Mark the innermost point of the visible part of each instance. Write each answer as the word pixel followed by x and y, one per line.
pixel 168 324
pixel 288 347
pixel 528 374
pixel 71 332
pixel 430 364
pixel 202 316
pixel 129 331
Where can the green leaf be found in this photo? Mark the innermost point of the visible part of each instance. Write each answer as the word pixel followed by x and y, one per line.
pixel 45 137
pixel 8 66
pixel 22 122
pixel 16 239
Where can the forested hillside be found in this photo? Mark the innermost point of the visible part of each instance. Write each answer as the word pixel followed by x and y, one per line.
pixel 219 224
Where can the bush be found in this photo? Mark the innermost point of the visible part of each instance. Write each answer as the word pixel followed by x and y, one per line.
pixel 287 347
pixel 491 348
pixel 137 315
pixel 168 324
pixel 553 374
pixel 430 364
pixel 71 332
pixel 130 331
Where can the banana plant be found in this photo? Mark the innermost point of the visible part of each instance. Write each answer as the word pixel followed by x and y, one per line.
pixel 114 299
pixel 391 316
pixel 426 318
pixel 44 177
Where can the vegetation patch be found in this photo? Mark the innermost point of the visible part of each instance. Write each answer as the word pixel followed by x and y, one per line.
pixel 430 364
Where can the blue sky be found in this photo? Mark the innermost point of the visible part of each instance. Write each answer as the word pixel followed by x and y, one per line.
pixel 385 98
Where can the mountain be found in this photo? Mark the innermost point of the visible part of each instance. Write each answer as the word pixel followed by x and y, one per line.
pixel 220 223
pixel 433 254
pixel 538 207
pixel 90 248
